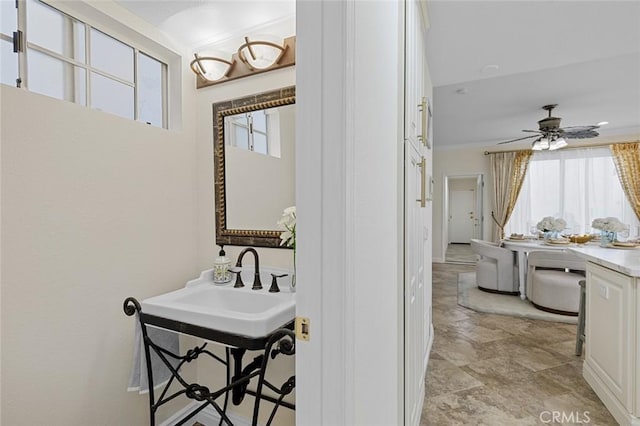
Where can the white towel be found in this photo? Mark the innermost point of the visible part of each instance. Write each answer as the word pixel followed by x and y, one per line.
pixel 138 380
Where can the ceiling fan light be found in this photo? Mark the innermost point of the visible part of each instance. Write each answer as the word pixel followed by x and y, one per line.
pixel 602 123
pixel 536 146
pixel 557 144
pixel 544 143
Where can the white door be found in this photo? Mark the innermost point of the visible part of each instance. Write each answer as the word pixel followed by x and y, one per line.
pixel 462 217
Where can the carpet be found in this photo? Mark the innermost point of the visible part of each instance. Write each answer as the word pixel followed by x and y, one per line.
pixel 470 296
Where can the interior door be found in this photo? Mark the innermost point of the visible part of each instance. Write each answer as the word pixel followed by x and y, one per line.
pixel 462 216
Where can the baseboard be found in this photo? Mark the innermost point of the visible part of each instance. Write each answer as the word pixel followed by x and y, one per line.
pixel 614 406
pixel 208 416
pixel 437 260
pixel 429 345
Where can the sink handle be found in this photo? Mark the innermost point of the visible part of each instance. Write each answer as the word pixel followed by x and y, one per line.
pixel 236 270
pixel 274 283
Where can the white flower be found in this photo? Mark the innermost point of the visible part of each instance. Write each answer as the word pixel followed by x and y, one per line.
pixel 288 225
pixel 609 224
pixel 549 223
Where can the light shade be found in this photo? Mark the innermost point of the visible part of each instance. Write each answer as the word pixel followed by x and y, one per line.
pixel 211 68
pixel 540 144
pixel 546 144
pixel 263 53
pixel 557 144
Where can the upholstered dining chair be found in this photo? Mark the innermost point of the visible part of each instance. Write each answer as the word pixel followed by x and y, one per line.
pixel 553 281
pixel 496 269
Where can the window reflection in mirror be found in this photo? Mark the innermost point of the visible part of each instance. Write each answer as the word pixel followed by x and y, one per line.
pixel 256 131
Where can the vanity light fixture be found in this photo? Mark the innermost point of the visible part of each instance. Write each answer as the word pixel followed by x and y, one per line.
pixel 262 54
pixel 211 68
pixel 255 55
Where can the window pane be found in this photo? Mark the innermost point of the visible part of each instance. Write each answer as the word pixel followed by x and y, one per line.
pixel 80 83
pixel 8 17
pixel 111 56
pixel 241 137
pixel 53 77
pixel 53 30
pixel 260 143
pixel 259 121
pixel 149 90
pixel 9 60
pixel 111 96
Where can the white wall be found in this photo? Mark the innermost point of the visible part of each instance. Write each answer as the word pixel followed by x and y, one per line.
pixel 458 162
pixel 95 208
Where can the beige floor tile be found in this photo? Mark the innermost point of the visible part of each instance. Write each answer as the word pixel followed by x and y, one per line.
pixel 446 377
pixel 496 370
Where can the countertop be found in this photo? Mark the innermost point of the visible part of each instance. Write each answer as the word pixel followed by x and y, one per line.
pixel 626 261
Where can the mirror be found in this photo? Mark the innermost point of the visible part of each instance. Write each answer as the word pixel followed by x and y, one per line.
pixel 254 166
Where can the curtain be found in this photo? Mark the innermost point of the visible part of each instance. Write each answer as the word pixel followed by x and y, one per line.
pixel 577 185
pixel 626 157
pixel 508 170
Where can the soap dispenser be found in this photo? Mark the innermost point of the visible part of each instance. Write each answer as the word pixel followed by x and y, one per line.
pixel 221 264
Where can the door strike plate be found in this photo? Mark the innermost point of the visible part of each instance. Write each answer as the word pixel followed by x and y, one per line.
pixel 302 328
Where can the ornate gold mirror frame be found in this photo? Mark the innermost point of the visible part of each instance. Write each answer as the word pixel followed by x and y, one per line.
pixel 241 237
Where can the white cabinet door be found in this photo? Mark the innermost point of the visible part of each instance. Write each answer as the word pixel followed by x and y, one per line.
pixel 414 299
pixel 417 285
pixel 414 73
pixel 610 332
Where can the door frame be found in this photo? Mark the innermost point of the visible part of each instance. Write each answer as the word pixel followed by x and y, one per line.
pixel 479 177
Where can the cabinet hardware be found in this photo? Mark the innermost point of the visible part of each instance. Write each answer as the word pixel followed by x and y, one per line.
pixel 422 107
pixel 423 190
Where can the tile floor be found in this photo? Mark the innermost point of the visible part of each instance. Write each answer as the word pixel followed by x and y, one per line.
pixel 494 370
pixel 460 253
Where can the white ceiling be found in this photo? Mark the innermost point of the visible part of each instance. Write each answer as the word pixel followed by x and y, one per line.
pixel 584 56
pixel 220 23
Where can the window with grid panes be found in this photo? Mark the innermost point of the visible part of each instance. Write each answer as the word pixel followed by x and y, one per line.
pixel 70 60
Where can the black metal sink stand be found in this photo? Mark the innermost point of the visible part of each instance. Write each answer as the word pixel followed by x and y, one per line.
pixel 281 341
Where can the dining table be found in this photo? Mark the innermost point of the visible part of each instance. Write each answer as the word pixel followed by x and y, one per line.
pixel 523 246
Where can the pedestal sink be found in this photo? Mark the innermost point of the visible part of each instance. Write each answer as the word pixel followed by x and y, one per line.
pixel 239 311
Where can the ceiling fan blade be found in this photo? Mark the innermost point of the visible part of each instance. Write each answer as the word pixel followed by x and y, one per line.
pixel 519 139
pixel 578 129
pixel 581 135
pixel 533 131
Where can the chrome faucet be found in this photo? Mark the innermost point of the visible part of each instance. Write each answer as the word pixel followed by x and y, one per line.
pixel 257 284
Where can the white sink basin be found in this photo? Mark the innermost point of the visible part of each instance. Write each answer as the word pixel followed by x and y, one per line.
pixel 241 311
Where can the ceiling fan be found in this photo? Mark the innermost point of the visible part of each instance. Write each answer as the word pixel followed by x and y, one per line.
pixel 550 136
